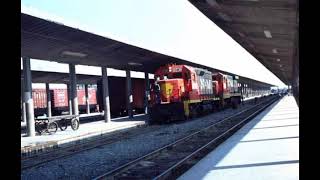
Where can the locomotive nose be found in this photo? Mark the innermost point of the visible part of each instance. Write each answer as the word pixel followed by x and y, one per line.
pixel 171 90
pixel 166 91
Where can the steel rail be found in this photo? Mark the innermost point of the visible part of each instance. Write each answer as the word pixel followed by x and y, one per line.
pixel 154 153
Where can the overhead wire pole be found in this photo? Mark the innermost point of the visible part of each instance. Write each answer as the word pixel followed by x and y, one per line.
pixel 28 97
pixel 106 101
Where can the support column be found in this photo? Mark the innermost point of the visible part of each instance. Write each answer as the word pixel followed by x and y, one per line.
pixel 246 90
pixel 48 100
pixel 147 92
pixel 295 68
pixel 87 98
pixel 129 94
pixel 23 103
pixel 106 102
pixel 73 84
pixel 28 97
pixel 69 99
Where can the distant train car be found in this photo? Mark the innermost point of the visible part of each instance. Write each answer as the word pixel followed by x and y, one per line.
pixel 39 101
pixel 59 100
pixel 117 95
pixel 92 95
pixel 182 91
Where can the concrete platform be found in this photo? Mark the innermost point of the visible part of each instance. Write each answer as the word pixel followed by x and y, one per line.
pixel 33 145
pixel 24 124
pixel 87 131
pixel 266 148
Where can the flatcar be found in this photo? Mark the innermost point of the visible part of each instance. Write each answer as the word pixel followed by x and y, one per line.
pixel 181 91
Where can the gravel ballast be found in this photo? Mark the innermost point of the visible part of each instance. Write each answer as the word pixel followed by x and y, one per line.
pixel 94 162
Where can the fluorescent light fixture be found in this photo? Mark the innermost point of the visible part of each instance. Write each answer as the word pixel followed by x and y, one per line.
pixel 278 60
pixel 241 34
pixel 75 54
pixel 224 16
pixel 212 2
pixel 267 33
pixel 274 51
pixel 134 64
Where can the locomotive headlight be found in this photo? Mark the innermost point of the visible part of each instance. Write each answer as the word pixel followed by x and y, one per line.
pixel 170 69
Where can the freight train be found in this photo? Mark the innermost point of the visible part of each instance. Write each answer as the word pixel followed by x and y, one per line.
pixel 176 92
pixel 181 92
pixel 117 95
pixel 59 100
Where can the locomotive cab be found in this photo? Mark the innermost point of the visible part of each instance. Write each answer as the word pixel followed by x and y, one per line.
pixel 171 83
pixel 169 91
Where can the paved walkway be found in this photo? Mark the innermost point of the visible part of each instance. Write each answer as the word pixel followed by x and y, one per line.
pixel 267 148
pixel 85 130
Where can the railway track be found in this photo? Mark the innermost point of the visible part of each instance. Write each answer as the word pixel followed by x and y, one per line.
pixel 39 159
pixel 172 160
pixel 62 152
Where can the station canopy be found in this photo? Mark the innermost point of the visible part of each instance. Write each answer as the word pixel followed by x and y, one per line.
pixel 268 29
pixel 61 78
pixel 52 41
pixel 47 40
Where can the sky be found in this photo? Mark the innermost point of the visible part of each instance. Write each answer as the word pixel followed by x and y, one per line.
pixel 174 28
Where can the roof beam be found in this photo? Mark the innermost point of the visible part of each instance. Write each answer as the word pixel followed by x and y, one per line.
pixel 279 5
pixel 255 23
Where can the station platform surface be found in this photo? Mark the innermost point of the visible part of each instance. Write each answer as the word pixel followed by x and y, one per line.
pixel 87 130
pixel 265 148
pixel 24 124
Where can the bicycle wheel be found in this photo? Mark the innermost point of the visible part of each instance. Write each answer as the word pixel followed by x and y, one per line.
pixel 63 124
pixel 52 128
pixel 75 124
pixel 39 127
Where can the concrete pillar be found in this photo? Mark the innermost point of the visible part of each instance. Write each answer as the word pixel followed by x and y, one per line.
pixel 28 97
pixel 24 113
pixel 23 103
pixel 87 98
pixel 129 94
pixel 73 84
pixel 105 89
pixel 147 92
pixel 48 100
pixel 246 90
pixel 69 99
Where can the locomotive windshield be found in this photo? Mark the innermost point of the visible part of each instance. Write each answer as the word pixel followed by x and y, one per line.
pixel 177 75
pixel 169 76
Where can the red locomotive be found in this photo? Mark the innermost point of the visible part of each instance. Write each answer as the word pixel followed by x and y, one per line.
pixel 182 91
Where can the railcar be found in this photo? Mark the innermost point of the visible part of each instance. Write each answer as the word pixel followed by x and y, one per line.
pixel 181 91
pixel 117 95
pixel 59 100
